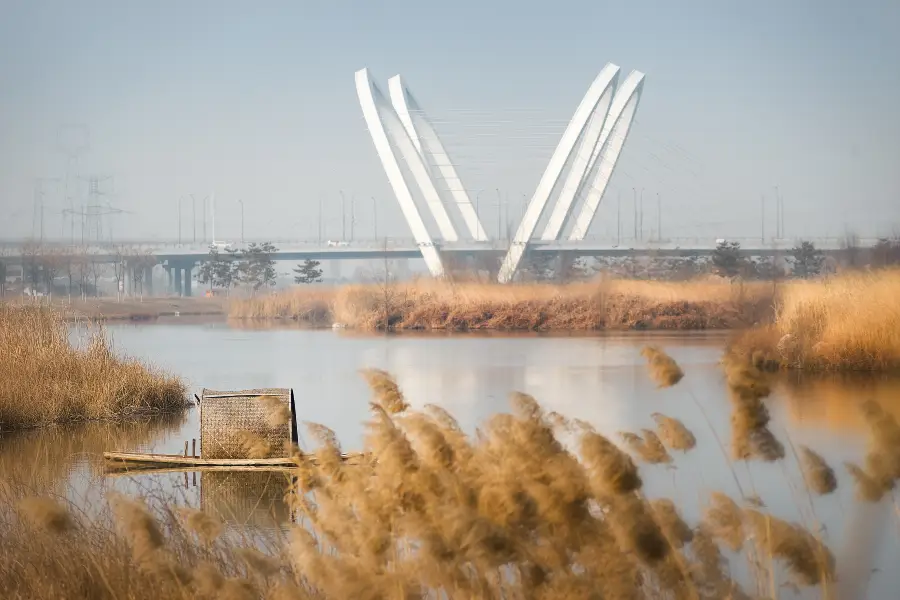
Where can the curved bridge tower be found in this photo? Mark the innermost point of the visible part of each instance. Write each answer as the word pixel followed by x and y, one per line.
pixel 607 152
pixel 385 126
pixel 586 125
pixel 429 146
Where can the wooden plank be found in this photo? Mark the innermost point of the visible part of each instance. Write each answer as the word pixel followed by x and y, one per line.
pixel 175 459
pixel 125 469
pixel 135 460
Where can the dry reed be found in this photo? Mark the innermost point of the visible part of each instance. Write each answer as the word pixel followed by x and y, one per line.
pixel 463 306
pixel 253 445
pixel 820 477
pixel 508 513
pixel 673 433
pixel 847 322
pixel 44 379
pixel 663 368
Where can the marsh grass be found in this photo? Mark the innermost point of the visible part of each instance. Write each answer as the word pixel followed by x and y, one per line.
pixel 511 512
pixel 463 306
pixel 848 322
pixel 44 379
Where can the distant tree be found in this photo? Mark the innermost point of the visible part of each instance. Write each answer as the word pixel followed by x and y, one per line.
pixel 806 260
pixel 540 266
pixel 308 272
pixel 206 274
pixel 256 268
pixel 886 252
pixel 226 272
pixel 726 259
pixel 577 270
pixel 220 270
pixel 52 262
pixel 2 279
pixel 767 269
pixel 31 257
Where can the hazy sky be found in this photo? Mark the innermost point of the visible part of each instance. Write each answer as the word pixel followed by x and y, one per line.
pixel 259 104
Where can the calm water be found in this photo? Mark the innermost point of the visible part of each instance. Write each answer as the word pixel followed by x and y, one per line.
pixel 600 379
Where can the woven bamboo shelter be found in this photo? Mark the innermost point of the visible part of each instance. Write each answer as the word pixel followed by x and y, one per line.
pixel 226 417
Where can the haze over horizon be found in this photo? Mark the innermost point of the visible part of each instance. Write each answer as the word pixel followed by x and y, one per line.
pixel 259 105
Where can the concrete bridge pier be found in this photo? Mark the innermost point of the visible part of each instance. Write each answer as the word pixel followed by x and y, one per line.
pixel 148 279
pixel 170 284
pixel 179 273
pixel 564 263
pixel 188 271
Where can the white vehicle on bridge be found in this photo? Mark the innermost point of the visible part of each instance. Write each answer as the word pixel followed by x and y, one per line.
pixel 223 247
pixel 337 244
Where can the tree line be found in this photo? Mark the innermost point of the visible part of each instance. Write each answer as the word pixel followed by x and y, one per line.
pixel 43 264
pixel 252 267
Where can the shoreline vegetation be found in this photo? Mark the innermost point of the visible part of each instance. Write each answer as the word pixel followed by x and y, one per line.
pixel 44 379
pixel 514 512
pixel 467 306
pixel 849 321
pixel 130 309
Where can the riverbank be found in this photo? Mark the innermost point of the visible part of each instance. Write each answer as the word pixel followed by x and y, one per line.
pixel 849 322
pixel 44 379
pixel 433 305
pixel 129 309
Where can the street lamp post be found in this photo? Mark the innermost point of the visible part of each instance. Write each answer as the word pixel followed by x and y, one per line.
pixel 179 219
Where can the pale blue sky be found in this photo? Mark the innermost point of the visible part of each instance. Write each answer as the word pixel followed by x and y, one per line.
pixel 256 101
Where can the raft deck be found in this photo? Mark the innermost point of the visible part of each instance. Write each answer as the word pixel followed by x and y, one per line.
pixel 132 461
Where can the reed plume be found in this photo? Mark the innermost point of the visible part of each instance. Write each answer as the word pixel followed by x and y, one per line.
pixel 46 514
pixel 138 526
pixel 253 445
pixel 820 477
pixel 808 559
pixel 278 413
pixel 725 521
pixel 674 433
pixel 385 390
pixel 663 368
pixel 206 527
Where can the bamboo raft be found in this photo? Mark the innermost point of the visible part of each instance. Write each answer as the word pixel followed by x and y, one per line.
pixel 131 462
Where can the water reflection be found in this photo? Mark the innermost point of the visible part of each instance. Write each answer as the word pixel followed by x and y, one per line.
pixel 45 458
pixel 246 499
pixel 598 378
pixel 832 401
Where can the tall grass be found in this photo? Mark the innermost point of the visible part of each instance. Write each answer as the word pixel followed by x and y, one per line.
pixel 429 304
pixel 847 322
pixel 513 512
pixel 44 379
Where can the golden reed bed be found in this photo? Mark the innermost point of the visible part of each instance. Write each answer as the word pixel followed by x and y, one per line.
pixel 44 379
pixel 509 513
pixel 432 305
pixel 850 322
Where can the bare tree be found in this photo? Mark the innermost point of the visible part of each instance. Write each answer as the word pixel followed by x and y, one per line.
pixel 53 262
pixel 141 262
pixel 31 255
pixel 80 265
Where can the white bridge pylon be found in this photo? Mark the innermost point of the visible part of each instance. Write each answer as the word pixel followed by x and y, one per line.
pixel 590 146
pixel 599 128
